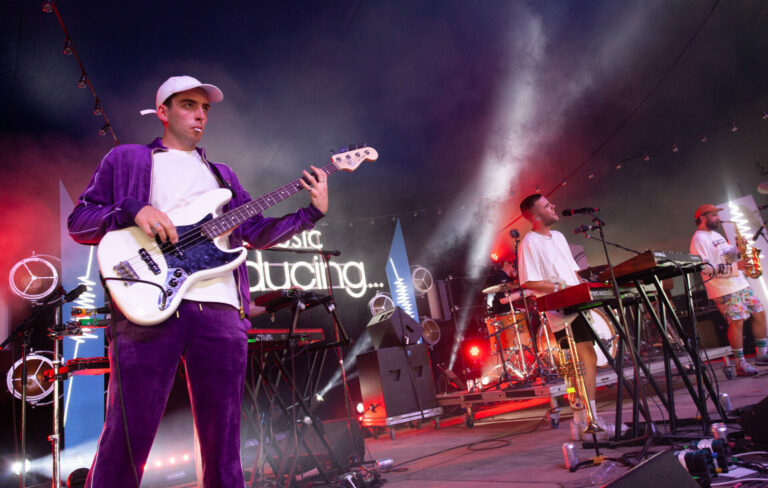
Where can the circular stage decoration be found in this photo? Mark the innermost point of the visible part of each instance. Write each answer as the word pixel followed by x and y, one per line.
pixel 33 278
pixel 422 279
pixel 381 302
pixel 37 385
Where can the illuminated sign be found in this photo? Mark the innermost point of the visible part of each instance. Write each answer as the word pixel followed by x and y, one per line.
pixel 349 276
pixel 399 275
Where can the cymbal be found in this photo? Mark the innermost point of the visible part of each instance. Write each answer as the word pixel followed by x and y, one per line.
pixel 501 287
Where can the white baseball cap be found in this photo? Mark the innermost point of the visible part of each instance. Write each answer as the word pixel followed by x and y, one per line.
pixel 176 84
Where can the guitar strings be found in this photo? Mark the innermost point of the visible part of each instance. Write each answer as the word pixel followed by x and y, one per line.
pixel 194 236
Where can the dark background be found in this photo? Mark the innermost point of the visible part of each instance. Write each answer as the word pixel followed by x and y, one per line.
pixel 472 105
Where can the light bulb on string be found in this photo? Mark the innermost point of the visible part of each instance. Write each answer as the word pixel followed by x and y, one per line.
pixel 703 138
pixel 675 148
pixel 646 157
pixel 47 6
pixel 618 165
pixel 104 129
pixel 764 114
pixel 564 182
pixel 98 110
pixel 67 47
pixel 591 175
pixel 734 127
pixel 83 82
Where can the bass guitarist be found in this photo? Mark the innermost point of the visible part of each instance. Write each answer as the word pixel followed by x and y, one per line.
pixel 137 185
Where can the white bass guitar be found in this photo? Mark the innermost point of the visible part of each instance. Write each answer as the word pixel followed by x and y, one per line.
pixel 147 279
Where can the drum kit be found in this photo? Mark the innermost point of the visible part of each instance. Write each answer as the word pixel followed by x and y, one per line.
pixel 526 349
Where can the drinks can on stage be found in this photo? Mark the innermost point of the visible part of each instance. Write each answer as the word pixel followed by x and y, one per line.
pixel 570 456
pixel 720 431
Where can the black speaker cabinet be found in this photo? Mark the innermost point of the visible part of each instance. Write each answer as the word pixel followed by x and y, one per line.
pixel 346 441
pixel 662 470
pixel 754 424
pixel 387 384
pixel 389 328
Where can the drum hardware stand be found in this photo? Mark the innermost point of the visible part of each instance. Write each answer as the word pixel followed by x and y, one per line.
pixel 24 330
pixel 598 224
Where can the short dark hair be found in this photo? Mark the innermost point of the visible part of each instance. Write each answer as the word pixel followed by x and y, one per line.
pixel 698 220
pixel 167 102
pixel 528 202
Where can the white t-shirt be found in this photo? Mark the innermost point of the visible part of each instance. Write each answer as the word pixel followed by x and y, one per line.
pixel 715 250
pixel 545 258
pixel 178 178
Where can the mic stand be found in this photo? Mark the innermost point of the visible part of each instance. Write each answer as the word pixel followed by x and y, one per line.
pixel 650 427
pixel 589 236
pixel 528 318
pixel 339 329
pixel 760 232
pixel 24 330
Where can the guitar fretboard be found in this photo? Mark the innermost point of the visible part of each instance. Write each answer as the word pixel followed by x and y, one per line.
pixel 237 216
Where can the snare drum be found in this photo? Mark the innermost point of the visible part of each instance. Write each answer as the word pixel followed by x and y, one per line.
pixel 511 325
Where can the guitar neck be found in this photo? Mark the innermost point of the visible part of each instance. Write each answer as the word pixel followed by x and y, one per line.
pixel 237 216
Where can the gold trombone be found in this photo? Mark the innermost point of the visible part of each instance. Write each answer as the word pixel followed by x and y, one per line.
pixel 572 370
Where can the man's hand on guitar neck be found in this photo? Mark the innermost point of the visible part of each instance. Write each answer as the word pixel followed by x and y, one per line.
pixel 316 183
pixel 154 222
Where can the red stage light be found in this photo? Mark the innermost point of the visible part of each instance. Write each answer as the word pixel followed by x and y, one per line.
pixel 476 350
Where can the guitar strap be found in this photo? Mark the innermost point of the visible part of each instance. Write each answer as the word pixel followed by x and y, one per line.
pixel 222 183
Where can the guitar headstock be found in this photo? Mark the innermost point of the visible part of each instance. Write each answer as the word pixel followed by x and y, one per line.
pixel 349 158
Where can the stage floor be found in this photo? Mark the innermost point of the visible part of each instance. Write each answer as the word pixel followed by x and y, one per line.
pixel 521 448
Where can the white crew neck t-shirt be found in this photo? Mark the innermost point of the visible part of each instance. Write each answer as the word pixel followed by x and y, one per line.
pixel 178 178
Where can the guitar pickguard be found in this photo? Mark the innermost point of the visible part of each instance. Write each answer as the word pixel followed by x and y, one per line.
pixel 192 254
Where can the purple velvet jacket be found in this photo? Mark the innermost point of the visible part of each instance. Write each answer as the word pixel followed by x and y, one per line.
pixel 120 187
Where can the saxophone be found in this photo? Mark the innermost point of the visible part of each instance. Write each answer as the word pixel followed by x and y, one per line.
pixel 753 268
pixel 572 369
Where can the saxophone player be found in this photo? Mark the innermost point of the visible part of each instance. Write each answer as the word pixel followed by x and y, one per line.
pixel 729 289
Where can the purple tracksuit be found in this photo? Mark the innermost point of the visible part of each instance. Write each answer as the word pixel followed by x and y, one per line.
pixel 209 337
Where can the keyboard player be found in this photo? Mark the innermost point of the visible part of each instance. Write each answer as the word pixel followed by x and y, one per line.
pixel 546 266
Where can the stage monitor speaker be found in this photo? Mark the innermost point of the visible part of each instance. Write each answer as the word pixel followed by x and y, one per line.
pixel 754 424
pixel 387 387
pixel 662 469
pixel 391 327
pixel 345 444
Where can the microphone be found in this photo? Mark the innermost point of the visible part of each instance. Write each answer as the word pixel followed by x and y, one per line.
pixel 584 210
pixel 759 231
pixel 73 294
pixel 585 228
pixel 514 233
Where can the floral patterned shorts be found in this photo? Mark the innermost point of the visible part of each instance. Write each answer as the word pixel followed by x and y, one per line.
pixel 739 305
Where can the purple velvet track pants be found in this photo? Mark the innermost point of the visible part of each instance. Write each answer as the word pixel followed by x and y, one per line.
pixel 211 340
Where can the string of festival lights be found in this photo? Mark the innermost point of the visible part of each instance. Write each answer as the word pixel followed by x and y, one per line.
pixel 592 173
pixel 49 6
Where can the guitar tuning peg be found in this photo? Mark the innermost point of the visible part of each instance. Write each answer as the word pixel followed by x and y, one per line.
pixel 352 147
pixel 343 149
pixel 332 151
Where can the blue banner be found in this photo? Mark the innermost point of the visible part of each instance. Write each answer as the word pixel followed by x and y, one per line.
pixel 399 275
pixel 83 402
